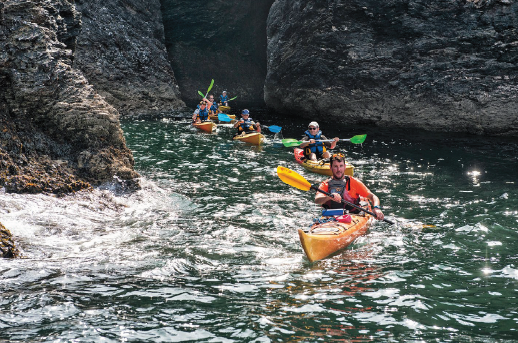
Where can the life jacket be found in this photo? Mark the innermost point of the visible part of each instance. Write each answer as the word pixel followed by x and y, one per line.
pixel 341 187
pixel 223 98
pixel 203 114
pixel 318 147
pixel 214 107
pixel 246 126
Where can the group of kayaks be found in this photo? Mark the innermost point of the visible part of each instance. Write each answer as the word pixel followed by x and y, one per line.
pixel 331 232
pixel 254 138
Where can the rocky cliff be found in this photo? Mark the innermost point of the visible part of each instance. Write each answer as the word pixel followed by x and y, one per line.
pixel 120 50
pixel 437 65
pixel 221 40
pixel 57 134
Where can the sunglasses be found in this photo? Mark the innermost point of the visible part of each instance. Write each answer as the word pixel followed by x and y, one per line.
pixel 312 128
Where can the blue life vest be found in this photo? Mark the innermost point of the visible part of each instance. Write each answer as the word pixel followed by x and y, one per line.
pixel 223 98
pixel 318 146
pixel 203 114
pixel 214 107
pixel 247 125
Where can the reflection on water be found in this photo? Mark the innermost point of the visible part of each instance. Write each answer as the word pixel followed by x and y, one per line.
pixel 208 249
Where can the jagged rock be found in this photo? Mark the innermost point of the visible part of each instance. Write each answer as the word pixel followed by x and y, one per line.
pixel 49 113
pixel 437 65
pixel 7 247
pixel 221 40
pixel 121 51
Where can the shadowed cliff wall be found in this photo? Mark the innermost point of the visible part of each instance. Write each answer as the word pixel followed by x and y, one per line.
pixel 121 51
pixel 221 40
pixel 437 65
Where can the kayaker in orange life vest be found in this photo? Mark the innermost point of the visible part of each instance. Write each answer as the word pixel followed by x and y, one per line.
pixel 314 150
pixel 345 187
pixel 247 124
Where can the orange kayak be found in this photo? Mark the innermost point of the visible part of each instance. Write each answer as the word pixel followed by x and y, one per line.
pixel 319 167
pixel 206 126
pixel 323 240
pixel 254 138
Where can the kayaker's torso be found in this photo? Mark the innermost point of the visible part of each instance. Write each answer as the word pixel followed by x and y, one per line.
pixel 349 188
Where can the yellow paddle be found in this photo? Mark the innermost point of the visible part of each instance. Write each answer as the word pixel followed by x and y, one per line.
pixel 296 180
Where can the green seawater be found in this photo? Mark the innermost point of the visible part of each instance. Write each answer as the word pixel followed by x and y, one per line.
pixel 208 249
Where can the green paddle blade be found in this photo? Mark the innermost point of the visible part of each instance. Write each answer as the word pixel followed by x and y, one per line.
pixel 210 87
pixel 202 95
pixel 233 98
pixel 291 142
pixel 359 139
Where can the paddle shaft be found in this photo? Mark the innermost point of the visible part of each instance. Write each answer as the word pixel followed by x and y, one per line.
pixel 349 203
pixel 331 140
pixel 210 87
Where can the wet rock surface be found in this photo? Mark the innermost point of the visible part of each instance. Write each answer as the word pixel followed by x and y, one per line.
pixel 7 247
pixel 121 51
pixel 57 134
pixel 446 65
pixel 221 40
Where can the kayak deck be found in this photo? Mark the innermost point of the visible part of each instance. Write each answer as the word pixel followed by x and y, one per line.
pixel 223 109
pixel 207 126
pixel 255 138
pixel 323 240
pixel 319 167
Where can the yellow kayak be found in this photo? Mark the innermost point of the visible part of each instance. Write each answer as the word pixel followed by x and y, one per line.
pixel 324 239
pixel 254 138
pixel 207 126
pixel 319 167
pixel 224 109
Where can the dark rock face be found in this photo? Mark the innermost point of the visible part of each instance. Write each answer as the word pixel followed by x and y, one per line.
pixel 7 247
pixel 437 65
pixel 56 133
pixel 121 51
pixel 221 40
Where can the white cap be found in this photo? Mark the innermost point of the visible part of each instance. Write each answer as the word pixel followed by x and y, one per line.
pixel 313 123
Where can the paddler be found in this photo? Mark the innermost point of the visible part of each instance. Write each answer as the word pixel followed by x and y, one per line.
pixel 314 150
pixel 247 124
pixel 224 98
pixel 345 187
pixel 202 111
pixel 214 107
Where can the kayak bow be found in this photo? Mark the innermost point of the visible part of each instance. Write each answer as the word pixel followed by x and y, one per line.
pixel 319 167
